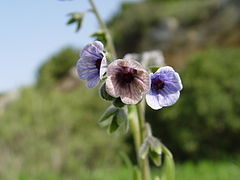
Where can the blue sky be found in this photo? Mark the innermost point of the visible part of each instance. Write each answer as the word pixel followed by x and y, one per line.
pixel 32 30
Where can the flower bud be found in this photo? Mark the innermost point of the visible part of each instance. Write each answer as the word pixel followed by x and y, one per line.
pixel 104 94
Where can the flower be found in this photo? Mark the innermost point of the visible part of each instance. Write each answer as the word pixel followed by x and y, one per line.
pixel 165 88
pixel 92 64
pixel 128 80
pixel 148 58
pixel 153 58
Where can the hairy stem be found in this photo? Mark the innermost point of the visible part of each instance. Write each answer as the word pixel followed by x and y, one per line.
pixel 137 124
pixel 110 44
pixel 134 125
pixel 144 163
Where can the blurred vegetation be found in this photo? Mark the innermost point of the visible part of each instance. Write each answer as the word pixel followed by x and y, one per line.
pixel 55 133
pixel 204 170
pixel 147 15
pixel 205 122
pixel 207 170
pixel 57 67
pixel 179 28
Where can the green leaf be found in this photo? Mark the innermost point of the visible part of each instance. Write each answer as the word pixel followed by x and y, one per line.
pixel 76 15
pixel 136 174
pixel 122 116
pixel 153 69
pixel 156 158
pixel 124 127
pixel 79 24
pixel 104 94
pixel 166 151
pixel 71 20
pixel 126 160
pixel 109 56
pixel 113 126
pixel 169 169
pixel 111 110
pixel 122 120
pixel 100 35
pixel 77 18
pixel 169 166
pixel 134 170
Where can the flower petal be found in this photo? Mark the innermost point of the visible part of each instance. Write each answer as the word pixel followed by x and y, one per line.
pixel 123 63
pixel 130 95
pixel 152 101
pixel 143 78
pixel 85 68
pixel 87 61
pixel 85 74
pixel 94 49
pixel 130 63
pixel 167 99
pixel 92 83
pixel 92 75
pixel 113 67
pixel 112 87
pixel 170 78
pixel 165 69
pixel 172 82
pixel 103 67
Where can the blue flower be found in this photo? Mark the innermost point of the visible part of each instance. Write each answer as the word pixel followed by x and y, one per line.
pixel 92 64
pixel 165 88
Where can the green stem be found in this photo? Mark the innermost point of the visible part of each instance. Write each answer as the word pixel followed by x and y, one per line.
pixel 110 44
pixel 137 124
pixel 144 163
pixel 134 125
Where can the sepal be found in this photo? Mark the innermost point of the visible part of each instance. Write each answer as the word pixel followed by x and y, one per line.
pixel 103 93
pixel 118 103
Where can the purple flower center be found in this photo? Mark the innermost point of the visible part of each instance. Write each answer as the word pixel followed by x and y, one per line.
pixel 98 63
pixel 126 75
pixel 157 84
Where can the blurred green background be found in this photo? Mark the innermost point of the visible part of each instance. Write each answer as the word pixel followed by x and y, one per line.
pixel 49 130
